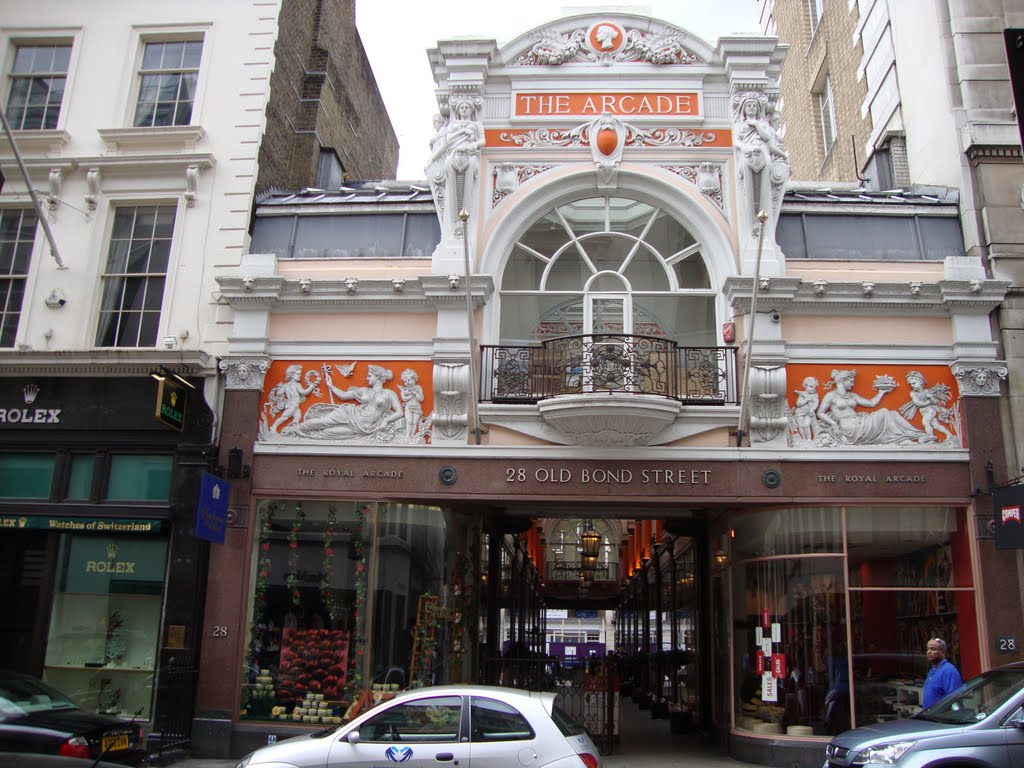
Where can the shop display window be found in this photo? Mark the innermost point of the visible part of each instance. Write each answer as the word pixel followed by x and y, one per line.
pixel 791 672
pixel 322 571
pixel 105 622
pixel 813 632
pixel 897 558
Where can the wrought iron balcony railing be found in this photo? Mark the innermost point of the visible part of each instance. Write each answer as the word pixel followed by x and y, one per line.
pixel 604 362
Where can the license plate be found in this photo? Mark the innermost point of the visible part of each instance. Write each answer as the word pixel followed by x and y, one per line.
pixel 115 743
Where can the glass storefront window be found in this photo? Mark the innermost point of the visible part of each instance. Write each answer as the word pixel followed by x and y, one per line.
pixel 898 577
pixel 105 622
pixel 80 474
pixel 139 478
pixel 26 476
pixel 322 571
pixel 791 668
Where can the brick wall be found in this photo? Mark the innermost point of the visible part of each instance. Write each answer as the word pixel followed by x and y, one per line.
pixel 323 94
pixel 829 50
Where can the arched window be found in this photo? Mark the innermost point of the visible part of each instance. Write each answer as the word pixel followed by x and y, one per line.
pixel 607 265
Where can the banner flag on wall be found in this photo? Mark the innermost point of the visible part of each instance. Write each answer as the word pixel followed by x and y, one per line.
pixel 1009 503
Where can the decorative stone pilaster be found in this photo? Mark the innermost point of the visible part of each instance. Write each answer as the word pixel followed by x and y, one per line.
pixel 451 402
pixel 768 409
pixel 245 372
pixel 980 379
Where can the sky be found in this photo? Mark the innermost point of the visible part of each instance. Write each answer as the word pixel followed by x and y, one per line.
pixel 397 34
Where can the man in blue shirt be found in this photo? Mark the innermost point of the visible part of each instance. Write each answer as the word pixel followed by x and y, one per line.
pixel 942 676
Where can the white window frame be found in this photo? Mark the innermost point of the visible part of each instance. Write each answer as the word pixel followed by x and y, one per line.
pixel 12 39
pixel 816 10
pixel 827 109
pixel 163 33
pixel 169 273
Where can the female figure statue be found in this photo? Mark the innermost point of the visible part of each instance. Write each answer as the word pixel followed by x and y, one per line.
pixel 374 410
pixel 847 426
pixel 454 161
pixel 762 159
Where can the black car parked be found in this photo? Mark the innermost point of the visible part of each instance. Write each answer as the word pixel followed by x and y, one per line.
pixel 38 719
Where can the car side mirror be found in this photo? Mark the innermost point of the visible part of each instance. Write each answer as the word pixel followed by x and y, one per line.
pixel 353 737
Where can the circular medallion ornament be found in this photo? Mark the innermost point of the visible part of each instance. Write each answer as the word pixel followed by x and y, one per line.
pixel 605 37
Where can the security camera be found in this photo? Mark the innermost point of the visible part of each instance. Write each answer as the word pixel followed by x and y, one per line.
pixel 774 316
pixel 56 299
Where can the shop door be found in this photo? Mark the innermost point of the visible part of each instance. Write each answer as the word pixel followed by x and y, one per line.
pixel 27 560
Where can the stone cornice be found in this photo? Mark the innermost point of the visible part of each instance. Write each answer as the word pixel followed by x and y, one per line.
pixel 105 362
pixel 793 295
pixel 276 292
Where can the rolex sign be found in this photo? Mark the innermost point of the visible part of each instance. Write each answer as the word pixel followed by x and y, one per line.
pixel 171 400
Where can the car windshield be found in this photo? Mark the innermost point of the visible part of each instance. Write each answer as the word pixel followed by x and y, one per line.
pixel 977 699
pixel 20 695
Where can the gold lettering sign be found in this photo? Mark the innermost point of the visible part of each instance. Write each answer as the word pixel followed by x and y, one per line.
pixel 595 104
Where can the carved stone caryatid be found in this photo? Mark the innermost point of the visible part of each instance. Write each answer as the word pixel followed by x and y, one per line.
pixel 761 159
pixel 980 380
pixel 454 167
pixel 245 372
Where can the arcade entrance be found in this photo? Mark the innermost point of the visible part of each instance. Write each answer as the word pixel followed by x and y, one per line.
pixel 610 612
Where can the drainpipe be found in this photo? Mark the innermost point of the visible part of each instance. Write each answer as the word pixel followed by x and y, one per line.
pixel 745 389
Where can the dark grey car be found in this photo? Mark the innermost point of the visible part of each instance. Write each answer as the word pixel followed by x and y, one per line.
pixel 981 724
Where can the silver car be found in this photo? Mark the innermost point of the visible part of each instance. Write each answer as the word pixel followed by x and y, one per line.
pixel 460 725
pixel 980 725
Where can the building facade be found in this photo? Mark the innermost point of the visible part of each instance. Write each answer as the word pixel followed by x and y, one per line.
pixel 140 182
pixel 607 357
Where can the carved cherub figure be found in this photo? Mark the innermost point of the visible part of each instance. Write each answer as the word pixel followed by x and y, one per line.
pixel 288 396
pixel 931 402
pixel 806 406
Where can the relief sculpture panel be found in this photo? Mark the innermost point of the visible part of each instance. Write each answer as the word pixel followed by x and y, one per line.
pixel 356 402
pixel 881 405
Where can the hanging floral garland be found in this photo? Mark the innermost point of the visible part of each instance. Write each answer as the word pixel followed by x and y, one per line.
pixel 425 637
pixel 462 607
pixel 292 579
pixel 358 553
pixel 259 605
pixel 326 590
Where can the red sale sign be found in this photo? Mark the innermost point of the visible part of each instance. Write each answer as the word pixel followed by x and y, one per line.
pixel 779 665
pixel 760 662
pixel 765 619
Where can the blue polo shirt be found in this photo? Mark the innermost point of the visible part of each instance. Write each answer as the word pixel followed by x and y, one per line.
pixel 941 680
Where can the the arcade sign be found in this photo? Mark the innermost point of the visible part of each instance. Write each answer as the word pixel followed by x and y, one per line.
pixel 641 104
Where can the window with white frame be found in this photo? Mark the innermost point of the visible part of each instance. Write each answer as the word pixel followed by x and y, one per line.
pixel 167 83
pixel 134 276
pixel 38 74
pixel 815 6
pixel 17 235
pixel 828 114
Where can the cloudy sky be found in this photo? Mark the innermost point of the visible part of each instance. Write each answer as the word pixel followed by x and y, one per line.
pixel 397 34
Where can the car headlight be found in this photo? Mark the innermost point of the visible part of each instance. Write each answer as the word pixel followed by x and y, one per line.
pixel 883 754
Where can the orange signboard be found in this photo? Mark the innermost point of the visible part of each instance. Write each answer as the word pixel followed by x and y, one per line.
pixel 639 104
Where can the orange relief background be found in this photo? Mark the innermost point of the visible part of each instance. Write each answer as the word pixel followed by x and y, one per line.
pixel 424 370
pixel 862 385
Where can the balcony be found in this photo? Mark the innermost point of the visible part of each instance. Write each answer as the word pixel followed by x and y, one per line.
pixel 609 389
pixel 597 364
